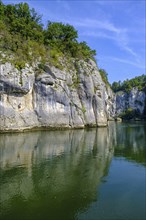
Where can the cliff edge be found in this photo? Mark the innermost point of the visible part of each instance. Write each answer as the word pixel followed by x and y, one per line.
pixel 47 97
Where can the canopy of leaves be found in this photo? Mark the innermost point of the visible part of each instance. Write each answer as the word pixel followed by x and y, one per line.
pixel 126 86
pixel 64 37
pixel 59 31
pixel 20 19
pixel 21 32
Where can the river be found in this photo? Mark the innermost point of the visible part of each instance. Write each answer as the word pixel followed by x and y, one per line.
pixel 85 174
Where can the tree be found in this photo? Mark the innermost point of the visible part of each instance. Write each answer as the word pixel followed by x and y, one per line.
pixel 85 50
pixel 116 86
pixel 60 36
pixel 21 19
pixel 21 31
pixel 1 9
pixel 60 31
pixel 138 82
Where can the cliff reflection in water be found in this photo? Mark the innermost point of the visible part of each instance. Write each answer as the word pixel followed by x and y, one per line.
pixel 55 171
pixel 130 141
pixel 56 174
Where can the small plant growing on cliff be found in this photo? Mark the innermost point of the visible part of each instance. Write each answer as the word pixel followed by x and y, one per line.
pixel 19 64
pixel 83 109
pixel 76 81
pixel 104 76
pixel 130 114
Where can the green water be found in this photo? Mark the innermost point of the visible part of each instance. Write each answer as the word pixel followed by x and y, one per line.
pixel 74 175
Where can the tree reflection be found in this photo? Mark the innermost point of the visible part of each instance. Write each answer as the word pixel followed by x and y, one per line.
pixel 57 174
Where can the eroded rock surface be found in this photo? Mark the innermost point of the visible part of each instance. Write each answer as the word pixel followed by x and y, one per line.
pixel 53 98
pixel 135 100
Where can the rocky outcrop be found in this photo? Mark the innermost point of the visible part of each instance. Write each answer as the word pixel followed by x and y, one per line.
pixel 52 98
pixel 134 100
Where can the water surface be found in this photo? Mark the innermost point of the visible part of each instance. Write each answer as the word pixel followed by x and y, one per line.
pixel 74 175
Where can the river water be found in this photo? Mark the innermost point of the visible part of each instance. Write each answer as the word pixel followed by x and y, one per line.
pixel 74 174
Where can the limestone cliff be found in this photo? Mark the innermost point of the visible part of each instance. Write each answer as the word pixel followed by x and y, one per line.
pixel 134 100
pixel 52 98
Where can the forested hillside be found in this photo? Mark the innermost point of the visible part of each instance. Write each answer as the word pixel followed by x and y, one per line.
pixel 25 39
pixel 126 86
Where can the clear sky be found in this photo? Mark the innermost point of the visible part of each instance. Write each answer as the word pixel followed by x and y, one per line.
pixel 116 29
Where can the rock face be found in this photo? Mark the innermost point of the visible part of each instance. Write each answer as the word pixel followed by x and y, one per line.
pixel 134 100
pixel 73 97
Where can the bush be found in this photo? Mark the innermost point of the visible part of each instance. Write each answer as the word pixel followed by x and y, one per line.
pixel 130 114
pixel 104 76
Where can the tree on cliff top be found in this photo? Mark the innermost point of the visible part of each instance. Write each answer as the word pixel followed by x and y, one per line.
pixel 21 19
pixel 126 86
pixel 22 33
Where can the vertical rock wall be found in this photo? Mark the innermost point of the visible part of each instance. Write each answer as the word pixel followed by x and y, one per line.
pixel 134 100
pixel 73 97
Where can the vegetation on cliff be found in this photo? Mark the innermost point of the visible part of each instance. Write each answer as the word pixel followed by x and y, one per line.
pixel 104 76
pixel 130 112
pixel 23 37
pixel 126 86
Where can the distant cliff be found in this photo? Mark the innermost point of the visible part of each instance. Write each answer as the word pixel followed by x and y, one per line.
pixel 131 105
pixel 131 98
pixel 51 98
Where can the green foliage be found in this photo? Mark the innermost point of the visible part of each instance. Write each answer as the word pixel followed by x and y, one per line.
pixel 22 34
pixel 83 51
pixel 19 64
pixel 58 33
pixel 104 76
pixel 126 86
pixel 64 37
pixel 76 81
pixel 83 109
pixel 20 19
pixel 130 114
pixel 54 58
pixel 116 86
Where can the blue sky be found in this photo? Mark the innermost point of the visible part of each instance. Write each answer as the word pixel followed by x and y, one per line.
pixel 116 29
